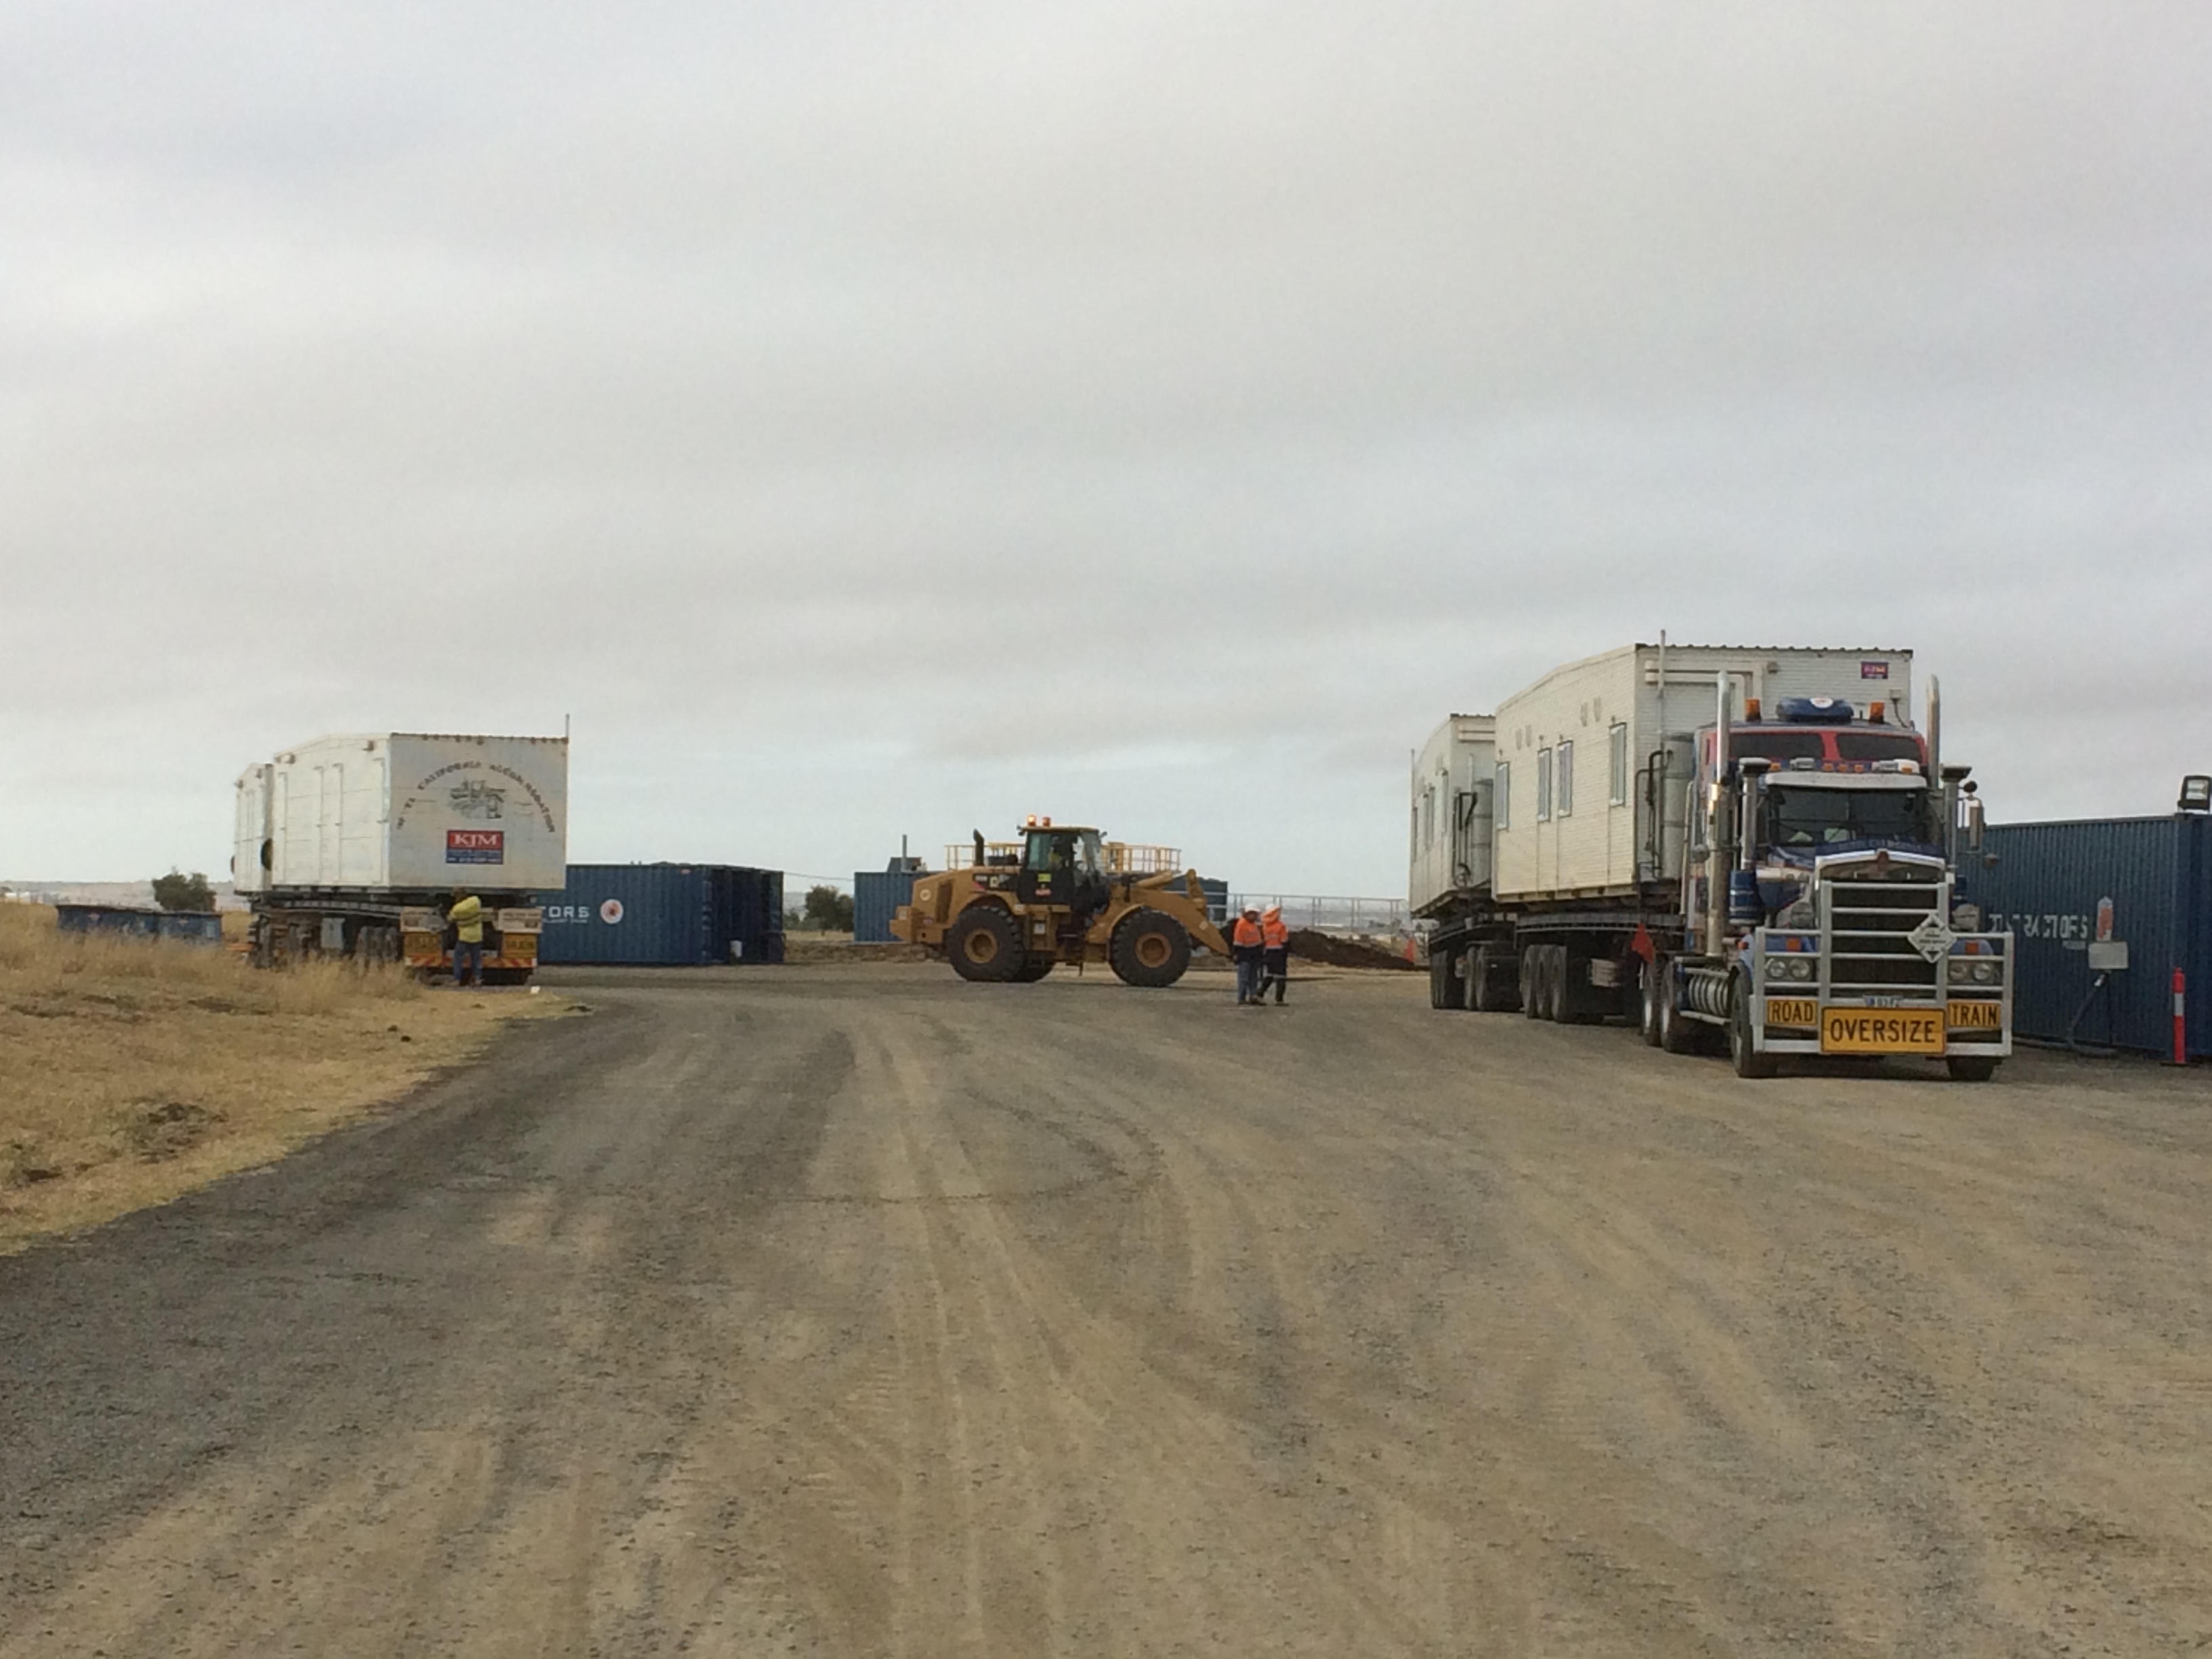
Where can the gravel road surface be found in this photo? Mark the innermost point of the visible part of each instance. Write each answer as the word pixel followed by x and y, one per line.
pixel 858 1311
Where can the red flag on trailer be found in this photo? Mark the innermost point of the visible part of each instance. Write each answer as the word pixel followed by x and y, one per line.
pixel 1641 944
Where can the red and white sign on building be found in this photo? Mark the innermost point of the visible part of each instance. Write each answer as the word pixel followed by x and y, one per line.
pixel 476 845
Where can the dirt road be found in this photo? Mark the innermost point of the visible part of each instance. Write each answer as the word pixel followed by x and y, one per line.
pixel 863 1312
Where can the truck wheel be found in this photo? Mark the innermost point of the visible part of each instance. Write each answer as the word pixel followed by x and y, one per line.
pixel 1650 987
pixel 1532 981
pixel 1435 980
pixel 1470 980
pixel 1150 948
pixel 1748 1062
pixel 1971 1068
pixel 983 944
pixel 1677 1034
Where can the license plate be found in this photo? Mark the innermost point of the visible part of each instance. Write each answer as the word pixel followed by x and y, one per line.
pixel 1791 1011
pixel 1881 1031
pixel 1977 1016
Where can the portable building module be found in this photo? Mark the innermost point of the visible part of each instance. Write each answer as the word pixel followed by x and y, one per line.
pixel 352 845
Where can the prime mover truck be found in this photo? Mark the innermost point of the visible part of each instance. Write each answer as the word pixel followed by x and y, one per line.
pixel 1752 846
pixel 355 846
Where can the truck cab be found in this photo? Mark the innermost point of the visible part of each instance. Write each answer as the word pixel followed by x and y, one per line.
pixel 1839 932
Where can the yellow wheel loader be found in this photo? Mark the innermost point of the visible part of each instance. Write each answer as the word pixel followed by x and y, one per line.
pixel 1050 899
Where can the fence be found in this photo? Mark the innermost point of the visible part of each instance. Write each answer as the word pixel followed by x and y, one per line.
pixel 1333 914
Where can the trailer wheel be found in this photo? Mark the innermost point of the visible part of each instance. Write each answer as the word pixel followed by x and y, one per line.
pixel 1532 981
pixel 1470 980
pixel 1150 948
pixel 1484 993
pixel 1748 1062
pixel 1970 1068
pixel 984 944
pixel 1447 988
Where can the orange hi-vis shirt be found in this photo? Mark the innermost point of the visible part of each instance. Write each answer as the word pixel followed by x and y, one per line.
pixel 1274 931
pixel 1247 932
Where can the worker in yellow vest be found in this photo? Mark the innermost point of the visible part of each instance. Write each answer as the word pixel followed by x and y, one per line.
pixel 466 919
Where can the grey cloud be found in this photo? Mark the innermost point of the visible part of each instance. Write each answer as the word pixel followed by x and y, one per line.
pixel 868 418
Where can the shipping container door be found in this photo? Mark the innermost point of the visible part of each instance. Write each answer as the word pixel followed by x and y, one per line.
pixel 330 823
pixel 361 855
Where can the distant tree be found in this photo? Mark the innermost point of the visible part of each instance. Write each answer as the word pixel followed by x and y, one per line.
pixel 828 910
pixel 177 891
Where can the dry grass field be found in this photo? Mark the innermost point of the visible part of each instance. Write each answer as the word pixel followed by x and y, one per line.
pixel 132 1070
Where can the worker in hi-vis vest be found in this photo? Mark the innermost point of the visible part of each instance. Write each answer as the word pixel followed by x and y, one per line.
pixel 1274 952
pixel 1246 946
pixel 466 918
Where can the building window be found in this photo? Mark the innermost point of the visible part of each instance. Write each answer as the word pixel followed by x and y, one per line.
pixel 1502 796
pixel 1618 794
pixel 1543 785
pixel 1563 786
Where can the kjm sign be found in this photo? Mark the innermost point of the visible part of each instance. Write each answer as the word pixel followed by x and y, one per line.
pixel 476 845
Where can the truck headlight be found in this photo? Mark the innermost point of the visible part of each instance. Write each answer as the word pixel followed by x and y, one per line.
pixel 1960 968
pixel 1797 968
pixel 1986 971
pixel 1777 967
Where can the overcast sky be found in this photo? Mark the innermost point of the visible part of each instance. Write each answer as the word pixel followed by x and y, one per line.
pixel 867 420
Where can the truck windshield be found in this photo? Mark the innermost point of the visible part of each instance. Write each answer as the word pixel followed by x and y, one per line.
pixel 1876 745
pixel 1825 817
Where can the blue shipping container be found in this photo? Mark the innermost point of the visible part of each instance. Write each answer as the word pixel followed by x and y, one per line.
pixel 663 916
pixel 876 895
pixel 2148 877
pixel 195 926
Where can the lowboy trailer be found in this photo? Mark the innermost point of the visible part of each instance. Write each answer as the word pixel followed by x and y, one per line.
pixel 1739 844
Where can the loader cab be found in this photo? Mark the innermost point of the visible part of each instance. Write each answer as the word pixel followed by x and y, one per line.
pixel 1063 866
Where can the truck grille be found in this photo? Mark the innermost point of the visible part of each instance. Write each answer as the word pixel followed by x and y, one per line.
pixel 1868 953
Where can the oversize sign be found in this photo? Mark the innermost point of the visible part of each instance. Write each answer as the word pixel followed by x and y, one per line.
pixel 476 845
pixel 1881 1031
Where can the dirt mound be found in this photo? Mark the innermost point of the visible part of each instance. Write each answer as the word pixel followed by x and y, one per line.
pixel 1337 952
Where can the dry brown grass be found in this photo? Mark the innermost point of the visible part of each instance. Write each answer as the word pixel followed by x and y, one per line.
pixel 133 1070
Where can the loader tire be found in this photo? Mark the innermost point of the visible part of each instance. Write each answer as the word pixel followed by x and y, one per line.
pixel 1150 948
pixel 983 944
pixel 1034 969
